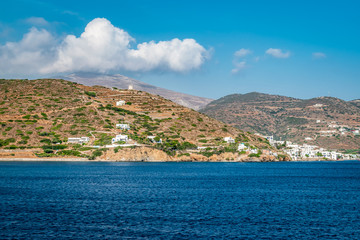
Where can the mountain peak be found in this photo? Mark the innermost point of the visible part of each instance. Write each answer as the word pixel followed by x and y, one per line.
pixel 123 82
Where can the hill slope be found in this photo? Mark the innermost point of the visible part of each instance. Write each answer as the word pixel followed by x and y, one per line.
pixel 123 82
pixel 327 121
pixel 45 113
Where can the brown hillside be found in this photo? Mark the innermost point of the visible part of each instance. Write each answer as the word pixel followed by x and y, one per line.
pixel 291 119
pixel 48 111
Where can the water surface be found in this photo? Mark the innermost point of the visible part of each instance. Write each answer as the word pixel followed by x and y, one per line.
pixel 83 200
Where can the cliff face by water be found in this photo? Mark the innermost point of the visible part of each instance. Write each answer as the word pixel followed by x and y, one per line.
pixel 147 154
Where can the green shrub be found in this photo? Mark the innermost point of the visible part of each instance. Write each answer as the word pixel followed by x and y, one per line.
pixel 91 94
pixel 254 155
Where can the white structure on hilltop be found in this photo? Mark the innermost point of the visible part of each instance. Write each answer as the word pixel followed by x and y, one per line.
pixel 318 105
pixel 78 140
pixel 229 140
pixel 123 126
pixel 118 138
pixel 131 87
pixel 120 103
pixel 152 139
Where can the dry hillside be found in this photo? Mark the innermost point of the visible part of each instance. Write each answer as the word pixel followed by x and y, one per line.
pixel 44 113
pixel 325 121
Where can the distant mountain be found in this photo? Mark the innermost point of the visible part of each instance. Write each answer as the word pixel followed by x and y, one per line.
pixel 356 102
pixel 123 82
pixel 292 119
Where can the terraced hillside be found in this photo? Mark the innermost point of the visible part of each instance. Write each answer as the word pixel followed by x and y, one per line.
pixel 325 121
pixel 43 114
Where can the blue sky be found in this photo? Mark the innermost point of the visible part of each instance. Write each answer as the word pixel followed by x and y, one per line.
pixel 302 49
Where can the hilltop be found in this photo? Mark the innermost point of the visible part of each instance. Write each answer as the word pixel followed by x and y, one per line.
pixel 123 82
pixel 324 121
pixel 40 116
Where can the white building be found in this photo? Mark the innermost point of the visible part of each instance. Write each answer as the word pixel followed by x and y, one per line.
pixel 120 103
pixel 131 87
pixel 254 151
pixel 78 140
pixel 318 105
pixel 152 139
pixel 229 140
pixel 242 147
pixel 123 126
pixel 118 138
pixel 327 133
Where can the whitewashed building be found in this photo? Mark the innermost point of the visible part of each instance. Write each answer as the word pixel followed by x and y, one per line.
pixel 242 147
pixel 123 126
pixel 120 137
pixel 152 139
pixel 229 140
pixel 120 103
pixel 78 140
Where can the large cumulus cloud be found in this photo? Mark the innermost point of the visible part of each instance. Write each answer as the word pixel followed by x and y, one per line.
pixel 102 47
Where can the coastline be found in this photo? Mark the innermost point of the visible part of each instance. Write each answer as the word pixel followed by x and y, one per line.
pixel 110 160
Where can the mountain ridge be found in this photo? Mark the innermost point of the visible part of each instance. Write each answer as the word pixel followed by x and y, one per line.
pixel 123 82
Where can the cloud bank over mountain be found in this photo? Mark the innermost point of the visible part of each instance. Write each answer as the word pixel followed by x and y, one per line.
pixel 102 47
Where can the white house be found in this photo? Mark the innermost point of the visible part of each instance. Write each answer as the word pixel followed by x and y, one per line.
pixel 123 126
pixel 120 103
pixel 229 140
pixel 254 151
pixel 318 105
pixel 152 139
pixel 118 138
pixel 242 147
pixel 78 140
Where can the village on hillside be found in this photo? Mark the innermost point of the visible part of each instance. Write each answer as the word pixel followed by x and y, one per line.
pixel 307 151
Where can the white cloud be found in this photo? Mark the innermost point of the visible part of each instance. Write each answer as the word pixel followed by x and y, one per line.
pixel 36 21
pixel 277 53
pixel 242 52
pixel 100 48
pixel 28 55
pixel 238 66
pixel 318 55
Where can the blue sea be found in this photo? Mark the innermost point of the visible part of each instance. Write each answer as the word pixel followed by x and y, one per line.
pixel 92 200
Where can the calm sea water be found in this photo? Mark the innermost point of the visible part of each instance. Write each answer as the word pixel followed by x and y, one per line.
pixel 83 200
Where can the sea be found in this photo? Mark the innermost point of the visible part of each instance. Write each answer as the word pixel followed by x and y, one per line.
pixel 186 200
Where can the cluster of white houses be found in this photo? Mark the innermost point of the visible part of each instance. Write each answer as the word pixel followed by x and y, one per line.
pixel 306 151
pixel 334 128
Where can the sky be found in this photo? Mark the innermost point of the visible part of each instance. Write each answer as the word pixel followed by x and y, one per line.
pixel 302 49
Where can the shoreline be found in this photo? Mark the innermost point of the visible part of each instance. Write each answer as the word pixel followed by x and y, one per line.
pixel 103 160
